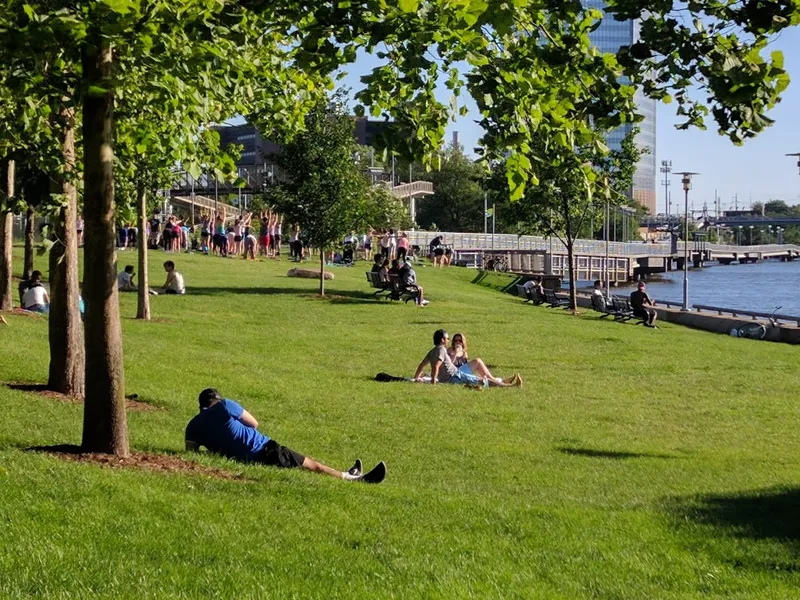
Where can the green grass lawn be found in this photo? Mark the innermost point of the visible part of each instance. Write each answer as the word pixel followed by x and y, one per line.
pixel 634 463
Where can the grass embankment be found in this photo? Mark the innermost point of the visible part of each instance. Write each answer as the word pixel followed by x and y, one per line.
pixel 634 464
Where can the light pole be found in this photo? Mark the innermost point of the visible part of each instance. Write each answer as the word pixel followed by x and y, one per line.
pixel 751 234
pixel 666 169
pixel 686 180
pixel 739 236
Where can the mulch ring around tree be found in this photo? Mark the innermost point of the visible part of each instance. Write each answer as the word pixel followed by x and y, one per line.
pixel 157 463
pixel 131 403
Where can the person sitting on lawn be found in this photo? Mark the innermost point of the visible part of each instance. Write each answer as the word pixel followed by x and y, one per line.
pixel 35 298
pixel 408 279
pixel 174 282
pixel 458 354
pixel 642 306
pixel 225 427
pixel 444 371
pixel 598 298
pixel 125 280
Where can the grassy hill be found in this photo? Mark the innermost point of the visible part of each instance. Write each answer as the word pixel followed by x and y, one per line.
pixel 633 464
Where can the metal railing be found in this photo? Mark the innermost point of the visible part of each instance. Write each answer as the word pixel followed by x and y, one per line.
pixel 505 241
pixel 747 313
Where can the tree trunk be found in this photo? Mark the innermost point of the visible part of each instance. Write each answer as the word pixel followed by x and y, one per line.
pixel 7 243
pixel 321 272
pixel 143 310
pixel 105 427
pixel 573 296
pixel 65 329
pixel 30 241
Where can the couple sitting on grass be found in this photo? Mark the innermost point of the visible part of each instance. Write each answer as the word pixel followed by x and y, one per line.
pixel 224 427
pixel 452 365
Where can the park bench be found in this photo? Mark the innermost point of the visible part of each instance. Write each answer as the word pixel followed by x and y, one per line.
pixel 401 292
pixel 384 289
pixel 522 292
pixel 554 301
pixel 622 310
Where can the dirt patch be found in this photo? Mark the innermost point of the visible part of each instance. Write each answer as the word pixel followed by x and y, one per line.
pixel 18 312
pixel 158 463
pixel 131 403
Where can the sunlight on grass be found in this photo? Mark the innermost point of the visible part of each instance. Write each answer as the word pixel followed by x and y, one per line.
pixel 634 463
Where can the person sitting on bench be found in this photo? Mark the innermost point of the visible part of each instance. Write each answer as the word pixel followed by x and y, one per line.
pixel 376 265
pixel 642 306
pixel 408 279
pixel 535 289
pixel 225 427
pixel 598 298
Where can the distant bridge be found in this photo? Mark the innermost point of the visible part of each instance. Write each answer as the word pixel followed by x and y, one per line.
pixel 755 221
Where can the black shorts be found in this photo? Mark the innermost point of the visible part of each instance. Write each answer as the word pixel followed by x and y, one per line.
pixel 438 252
pixel 279 456
pixel 237 238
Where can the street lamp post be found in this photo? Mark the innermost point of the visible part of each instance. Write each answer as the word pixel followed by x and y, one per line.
pixel 739 236
pixel 751 234
pixel 686 180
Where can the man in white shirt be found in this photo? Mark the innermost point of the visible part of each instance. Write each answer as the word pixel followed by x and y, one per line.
pixel 35 298
pixel 598 299
pixel 174 283
pixel 125 281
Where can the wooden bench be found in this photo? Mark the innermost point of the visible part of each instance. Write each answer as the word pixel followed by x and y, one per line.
pixel 522 292
pixel 554 301
pixel 622 310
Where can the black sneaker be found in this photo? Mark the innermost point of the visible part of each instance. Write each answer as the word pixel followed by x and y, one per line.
pixel 377 474
pixel 355 470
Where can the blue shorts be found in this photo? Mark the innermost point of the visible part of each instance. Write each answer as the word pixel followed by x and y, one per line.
pixel 463 378
pixel 465 369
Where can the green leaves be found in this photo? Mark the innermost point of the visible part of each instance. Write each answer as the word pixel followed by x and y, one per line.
pixel 408 6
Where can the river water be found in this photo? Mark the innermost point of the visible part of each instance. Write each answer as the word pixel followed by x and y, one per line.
pixel 758 287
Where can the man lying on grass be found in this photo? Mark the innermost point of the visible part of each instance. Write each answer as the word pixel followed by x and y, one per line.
pixel 225 428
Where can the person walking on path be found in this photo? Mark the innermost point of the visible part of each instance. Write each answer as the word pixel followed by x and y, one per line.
pixel 225 427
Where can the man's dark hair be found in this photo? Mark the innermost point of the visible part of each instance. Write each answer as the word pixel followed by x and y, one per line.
pixel 36 275
pixel 598 282
pixel 129 268
pixel 169 265
pixel 438 336
pixel 378 258
pixel 208 397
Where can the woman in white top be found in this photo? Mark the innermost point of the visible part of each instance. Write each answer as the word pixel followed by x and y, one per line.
pixel 35 298
pixel 392 244
pixel 385 244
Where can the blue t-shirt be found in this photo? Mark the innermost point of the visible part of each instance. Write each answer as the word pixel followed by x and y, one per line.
pixel 219 429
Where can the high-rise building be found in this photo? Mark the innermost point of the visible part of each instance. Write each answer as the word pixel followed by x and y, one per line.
pixel 608 38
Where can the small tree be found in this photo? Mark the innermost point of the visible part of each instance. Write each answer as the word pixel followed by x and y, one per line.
pixel 575 186
pixel 324 192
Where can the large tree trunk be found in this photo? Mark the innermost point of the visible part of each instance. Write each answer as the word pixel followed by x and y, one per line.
pixel 321 272
pixel 105 427
pixel 67 364
pixel 143 310
pixel 6 243
pixel 30 241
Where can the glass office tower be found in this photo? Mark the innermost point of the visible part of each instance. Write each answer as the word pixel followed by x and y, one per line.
pixel 608 38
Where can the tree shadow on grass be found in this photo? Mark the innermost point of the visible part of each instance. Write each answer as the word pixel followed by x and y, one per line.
pixel 334 294
pixel 773 513
pixel 610 454
pixel 759 517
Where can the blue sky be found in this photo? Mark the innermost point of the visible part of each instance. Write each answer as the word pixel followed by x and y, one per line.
pixel 757 170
